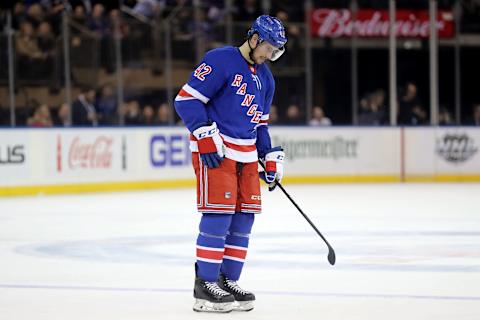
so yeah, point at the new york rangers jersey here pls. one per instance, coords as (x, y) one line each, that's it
(225, 89)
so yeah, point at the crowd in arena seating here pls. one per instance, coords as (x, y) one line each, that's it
(38, 25)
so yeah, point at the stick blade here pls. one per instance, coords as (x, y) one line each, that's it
(331, 256)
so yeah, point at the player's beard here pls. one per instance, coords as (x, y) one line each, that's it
(259, 59)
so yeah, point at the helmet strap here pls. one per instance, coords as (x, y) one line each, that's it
(250, 54)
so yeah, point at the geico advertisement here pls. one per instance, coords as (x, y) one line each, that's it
(339, 150)
(443, 150)
(169, 150)
(15, 155)
(91, 153)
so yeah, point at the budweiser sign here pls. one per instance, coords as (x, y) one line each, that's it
(90, 155)
(376, 23)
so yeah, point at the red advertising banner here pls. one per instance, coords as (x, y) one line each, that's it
(336, 23)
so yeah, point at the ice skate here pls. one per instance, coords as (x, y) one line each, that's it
(209, 297)
(244, 300)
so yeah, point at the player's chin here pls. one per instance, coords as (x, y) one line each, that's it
(261, 60)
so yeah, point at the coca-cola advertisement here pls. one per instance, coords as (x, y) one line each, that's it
(336, 23)
(89, 152)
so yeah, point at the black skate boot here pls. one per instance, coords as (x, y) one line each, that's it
(244, 300)
(209, 297)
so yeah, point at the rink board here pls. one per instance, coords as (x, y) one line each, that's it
(73, 160)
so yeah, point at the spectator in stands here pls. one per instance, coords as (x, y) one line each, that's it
(97, 22)
(148, 8)
(163, 114)
(79, 16)
(475, 118)
(19, 13)
(216, 10)
(319, 118)
(62, 116)
(444, 116)
(292, 8)
(201, 28)
(46, 39)
(294, 115)
(107, 105)
(86, 4)
(30, 56)
(41, 117)
(273, 115)
(282, 15)
(35, 14)
(411, 111)
(132, 115)
(83, 109)
(53, 13)
(372, 109)
(148, 115)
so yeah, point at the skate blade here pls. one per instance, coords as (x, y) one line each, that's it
(243, 305)
(207, 306)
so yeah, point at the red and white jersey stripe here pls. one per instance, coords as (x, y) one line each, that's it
(263, 120)
(210, 254)
(235, 253)
(189, 93)
(241, 150)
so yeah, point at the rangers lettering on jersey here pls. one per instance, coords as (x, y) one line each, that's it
(237, 96)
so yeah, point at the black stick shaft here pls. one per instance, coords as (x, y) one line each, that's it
(331, 252)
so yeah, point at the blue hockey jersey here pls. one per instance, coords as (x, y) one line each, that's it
(225, 89)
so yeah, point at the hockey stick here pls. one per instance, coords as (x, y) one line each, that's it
(331, 252)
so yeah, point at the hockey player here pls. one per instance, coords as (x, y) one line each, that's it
(225, 106)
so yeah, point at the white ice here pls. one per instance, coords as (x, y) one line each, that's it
(404, 251)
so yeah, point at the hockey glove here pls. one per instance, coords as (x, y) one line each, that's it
(273, 167)
(210, 145)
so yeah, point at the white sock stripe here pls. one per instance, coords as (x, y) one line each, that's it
(238, 234)
(234, 258)
(210, 248)
(209, 260)
(236, 247)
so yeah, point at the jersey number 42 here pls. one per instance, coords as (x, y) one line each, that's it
(202, 71)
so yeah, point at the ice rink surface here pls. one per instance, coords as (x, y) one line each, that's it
(404, 251)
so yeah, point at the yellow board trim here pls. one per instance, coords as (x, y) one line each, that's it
(443, 178)
(340, 179)
(95, 187)
(189, 183)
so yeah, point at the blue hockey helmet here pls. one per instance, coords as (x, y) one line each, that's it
(270, 29)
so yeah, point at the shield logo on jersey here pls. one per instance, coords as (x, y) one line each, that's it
(228, 195)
